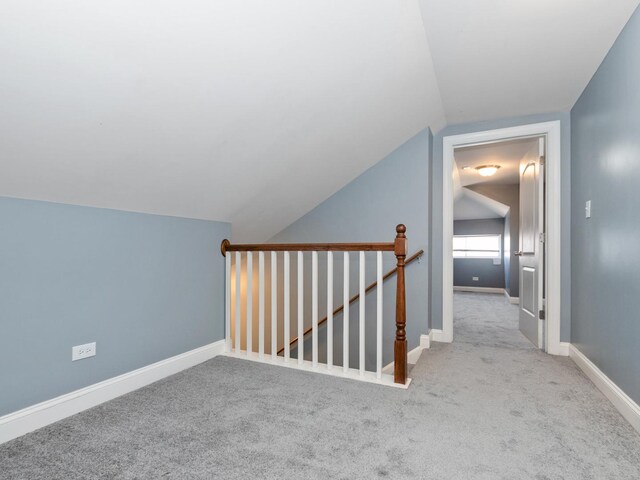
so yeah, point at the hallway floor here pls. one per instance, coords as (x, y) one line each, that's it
(489, 406)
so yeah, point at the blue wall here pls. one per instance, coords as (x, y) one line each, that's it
(436, 210)
(393, 191)
(606, 168)
(144, 287)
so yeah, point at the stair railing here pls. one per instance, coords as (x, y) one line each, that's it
(356, 297)
(233, 292)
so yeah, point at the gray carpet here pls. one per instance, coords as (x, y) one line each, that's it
(489, 406)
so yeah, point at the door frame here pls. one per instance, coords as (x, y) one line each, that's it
(552, 170)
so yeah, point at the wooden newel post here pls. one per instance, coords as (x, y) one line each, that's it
(400, 345)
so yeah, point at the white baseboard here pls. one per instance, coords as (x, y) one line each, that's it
(413, 355)
(512, 300)
(437, 335)
(563, 349)
(28, 419)
(623, 403)
(425, 341)
(479, 289)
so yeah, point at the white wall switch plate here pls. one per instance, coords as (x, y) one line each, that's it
(587, 209)
(83, 351)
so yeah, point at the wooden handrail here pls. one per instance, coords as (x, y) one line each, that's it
(391, 272)
(227, 246)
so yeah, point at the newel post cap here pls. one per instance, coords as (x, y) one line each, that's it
(400, 245)
(223, 247)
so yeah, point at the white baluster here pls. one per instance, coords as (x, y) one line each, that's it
(362, 311)
(238, 312)
(249, 326)
(261, 305)
(329, 310)
(345, 315)
(379, 319)
(274, 305)
(287, 300)
(227, 301)
(300, 308)
(314, 308)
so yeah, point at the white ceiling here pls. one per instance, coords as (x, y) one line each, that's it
(246, 111)
(501, 58)
(254, 112)
(506, 155)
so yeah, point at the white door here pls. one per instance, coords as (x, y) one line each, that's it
(531, 246)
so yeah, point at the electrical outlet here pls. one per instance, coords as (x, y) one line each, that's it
(475, 279)
(83, 351)
(587, 209)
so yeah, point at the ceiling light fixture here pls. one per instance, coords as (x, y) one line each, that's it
(487, 170)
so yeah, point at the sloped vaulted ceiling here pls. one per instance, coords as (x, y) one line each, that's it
(502, 58)
(246, 111)
(253, 111)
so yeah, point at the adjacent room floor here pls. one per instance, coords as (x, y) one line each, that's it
(489, 406)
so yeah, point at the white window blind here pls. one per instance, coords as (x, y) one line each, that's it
(477, 246)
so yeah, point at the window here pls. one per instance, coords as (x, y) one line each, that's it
(477, 246)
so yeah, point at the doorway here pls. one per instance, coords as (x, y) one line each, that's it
(538, 274)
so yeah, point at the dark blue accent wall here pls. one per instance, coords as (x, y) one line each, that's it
(508, 195)
(464, 269)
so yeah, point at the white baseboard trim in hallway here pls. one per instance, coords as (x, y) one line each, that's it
(629, 409)
(28, 419)
(563, 349)
(437, 335)
(512, 300)
(425, 341)
(413, 355)
(479, 289)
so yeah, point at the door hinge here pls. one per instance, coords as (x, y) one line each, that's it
(543, 237)
(541, 315)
